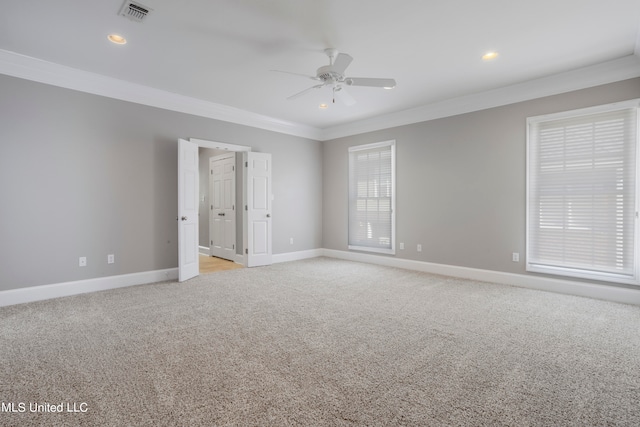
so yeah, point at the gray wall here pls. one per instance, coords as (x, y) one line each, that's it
(84, 175)
(460, 181)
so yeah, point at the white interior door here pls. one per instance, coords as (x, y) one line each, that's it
(222, 193)
(257, 226)
(188, 183)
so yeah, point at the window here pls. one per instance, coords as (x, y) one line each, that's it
(372, 197)
(582, 193)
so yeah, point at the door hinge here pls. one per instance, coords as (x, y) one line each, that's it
(246, 251)
(211, 242)
(246, 164)
(233, 207)
(246, 208)
(211, 172)
(233, 168)
(211, 207)
(233, 246)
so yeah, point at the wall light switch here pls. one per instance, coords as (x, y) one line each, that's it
(82, 261)
(515, 257)
(111, 259)
(401, 245)
(419, 247)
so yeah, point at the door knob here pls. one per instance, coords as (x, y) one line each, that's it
(268, 215)
(184, 218)
(221, 214)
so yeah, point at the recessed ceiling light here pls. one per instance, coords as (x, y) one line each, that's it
(323, 106)
(389, 87)
(117, 39)
(489, 56)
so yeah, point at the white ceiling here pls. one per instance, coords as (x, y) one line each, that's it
(222, 51)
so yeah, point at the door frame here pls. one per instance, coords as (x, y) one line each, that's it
(211, 220)
(238, 149)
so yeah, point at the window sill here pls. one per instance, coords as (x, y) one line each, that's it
(374, 250)
(583, 274)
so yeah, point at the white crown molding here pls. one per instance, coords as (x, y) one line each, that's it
(17, 65)
(568, 287)
(29, 68)
(620, 69)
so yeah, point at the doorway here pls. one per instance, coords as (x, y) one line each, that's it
(211, 264)
(220, 242)
(254, 248)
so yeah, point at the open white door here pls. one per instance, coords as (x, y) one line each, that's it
(257, 224)
(188, 184)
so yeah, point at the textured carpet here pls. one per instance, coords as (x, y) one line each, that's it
(321, 342)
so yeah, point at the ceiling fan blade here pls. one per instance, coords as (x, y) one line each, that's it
(344, 96)
(296, 74)
(296, 95)
(341, 62)
(372, 82)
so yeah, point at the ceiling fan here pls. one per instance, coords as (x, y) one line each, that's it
(333, 75)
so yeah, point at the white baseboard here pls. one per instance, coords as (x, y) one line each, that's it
(571, 287)
(296, 256)
(38, 293)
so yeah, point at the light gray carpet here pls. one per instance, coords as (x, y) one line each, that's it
(322, 342)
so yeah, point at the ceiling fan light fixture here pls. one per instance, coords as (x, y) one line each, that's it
(323, 106)
(116, 39)
(489, 56)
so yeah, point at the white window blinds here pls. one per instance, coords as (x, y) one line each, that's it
(372, 197)
(582, 194)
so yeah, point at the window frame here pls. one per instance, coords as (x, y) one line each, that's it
(354, 149)
(531, 265)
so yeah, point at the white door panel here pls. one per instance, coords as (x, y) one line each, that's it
(222, 210)
(258, 209)
(188, 261)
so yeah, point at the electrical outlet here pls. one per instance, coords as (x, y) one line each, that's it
(515, 257)
(401, 245)
(291, 241)
(419, 247)
(82, 261)
(111, 259)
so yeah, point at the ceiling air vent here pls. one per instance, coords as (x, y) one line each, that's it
(134, 11)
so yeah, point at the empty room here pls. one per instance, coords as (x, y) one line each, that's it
(319, 213)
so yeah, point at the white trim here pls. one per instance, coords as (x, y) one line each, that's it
(620, 69)
(204, 250)
(531, 143)
(26, 67)
(576, 288)
(219, 145)
(296, 256)
(590, 290)
(614, 106)
(363, 147)
(381, 144)
(38, 293)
